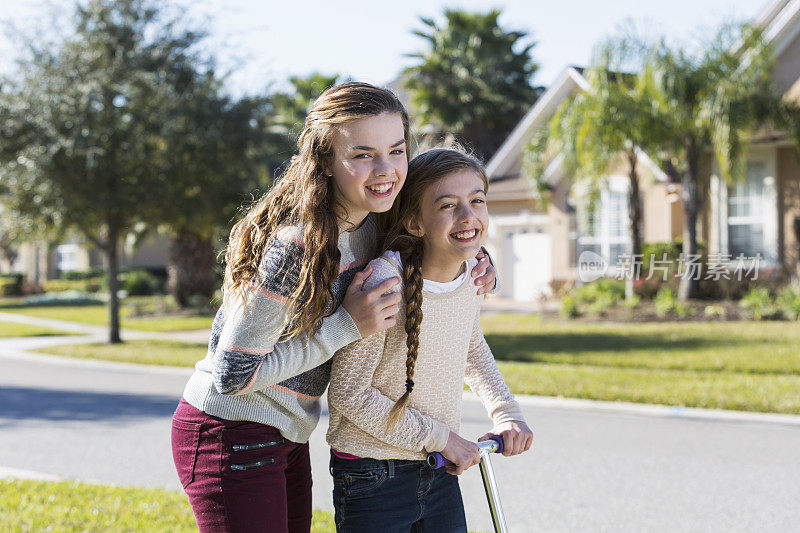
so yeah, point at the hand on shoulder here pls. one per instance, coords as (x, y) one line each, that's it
(372, 306)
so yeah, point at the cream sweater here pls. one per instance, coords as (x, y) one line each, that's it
(368, 376)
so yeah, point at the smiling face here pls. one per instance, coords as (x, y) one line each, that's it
(369, 164)
(452, 222)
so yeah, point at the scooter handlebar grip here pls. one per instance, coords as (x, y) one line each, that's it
(437, 460)
(499, 440)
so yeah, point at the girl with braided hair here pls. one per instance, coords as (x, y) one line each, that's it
(396, 395)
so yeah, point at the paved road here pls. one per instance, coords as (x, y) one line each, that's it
(589, 471)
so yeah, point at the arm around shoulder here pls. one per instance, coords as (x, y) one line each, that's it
(248, 356)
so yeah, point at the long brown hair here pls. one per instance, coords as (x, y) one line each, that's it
(305, 196)
(424, 170)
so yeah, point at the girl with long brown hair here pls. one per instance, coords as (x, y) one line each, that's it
(293, 295)
(396, 395)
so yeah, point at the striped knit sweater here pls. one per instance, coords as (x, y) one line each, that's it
(369, 376)
(248, 374)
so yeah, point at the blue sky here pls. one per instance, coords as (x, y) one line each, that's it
(266, 42)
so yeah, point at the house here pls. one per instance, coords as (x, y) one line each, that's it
(761, 214)
(537, 242)
(39, 261)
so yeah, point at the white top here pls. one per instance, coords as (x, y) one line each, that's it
(433, 287)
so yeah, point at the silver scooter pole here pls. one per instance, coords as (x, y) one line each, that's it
(485, 448)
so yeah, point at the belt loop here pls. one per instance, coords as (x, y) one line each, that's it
(390, 462)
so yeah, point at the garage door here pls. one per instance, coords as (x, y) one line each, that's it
(532, 265)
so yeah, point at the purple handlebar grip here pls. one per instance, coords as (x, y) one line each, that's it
(499, 440)
(437, 460)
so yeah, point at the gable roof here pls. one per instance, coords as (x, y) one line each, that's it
(568, 82)
(780, 21)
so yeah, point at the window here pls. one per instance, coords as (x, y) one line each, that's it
(604, 230)
(750, 209)
(67, 257)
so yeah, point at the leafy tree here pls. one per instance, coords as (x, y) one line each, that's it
(473, 80)
(216, 153)
(117, 125)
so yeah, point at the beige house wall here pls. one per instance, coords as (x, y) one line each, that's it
(788, 208)
(510, 207)
(663, 213)
(558, 227)
(37, 263)
(787, 67)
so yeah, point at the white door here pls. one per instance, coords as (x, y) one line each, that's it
(532, 265)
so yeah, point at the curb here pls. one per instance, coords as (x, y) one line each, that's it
(17, 473)
(652, 410)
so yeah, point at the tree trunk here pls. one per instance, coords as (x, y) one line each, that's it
(689, 284)
(191, 267)
(634, 219)
(112, 271)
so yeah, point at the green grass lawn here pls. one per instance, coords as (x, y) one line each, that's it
(69, 506)
(12, 329)
(752, 366)
(98, 315)
(148, 352)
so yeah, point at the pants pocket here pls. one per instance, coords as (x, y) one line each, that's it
(246, 447)
(356, 482)
(253, 464)
(185, 441)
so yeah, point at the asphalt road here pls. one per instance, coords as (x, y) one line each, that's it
(589, 470)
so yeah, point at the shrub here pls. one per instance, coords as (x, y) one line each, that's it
(604, 301)
(140, 283)
(665, 302)
(760, 305)
(648, 288)
(788, 301)
(80, 285)
(715, 311)
(683, 310)
(632, 303)
(560, 287)
(735, 289)
(658, 251)
(75, 275)
(11, 284)
(569, 307)
(609, 289)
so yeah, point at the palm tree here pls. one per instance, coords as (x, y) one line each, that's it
(473, 80)
(596, 128)
(705, 102)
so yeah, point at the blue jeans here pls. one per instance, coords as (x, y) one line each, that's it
(395, 496)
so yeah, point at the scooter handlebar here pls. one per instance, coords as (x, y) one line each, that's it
(493, 445)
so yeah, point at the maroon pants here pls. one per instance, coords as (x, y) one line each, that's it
(241, 476)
